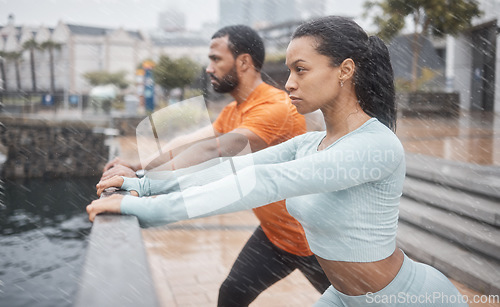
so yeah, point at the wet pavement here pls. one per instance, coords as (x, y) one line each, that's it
(189, 260)
(471, 137)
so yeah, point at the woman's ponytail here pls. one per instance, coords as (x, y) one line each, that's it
(375, 83)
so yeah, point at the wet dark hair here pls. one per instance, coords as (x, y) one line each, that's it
(340, 38)
(243, 39)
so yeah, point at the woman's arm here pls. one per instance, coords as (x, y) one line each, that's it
(155, 183)
(325, 171)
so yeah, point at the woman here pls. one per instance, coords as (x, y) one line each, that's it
(343, 186)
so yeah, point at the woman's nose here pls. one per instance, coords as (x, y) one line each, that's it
(290, 84)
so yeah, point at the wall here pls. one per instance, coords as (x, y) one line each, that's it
(42, 148)
(462, 48)
(462, 69)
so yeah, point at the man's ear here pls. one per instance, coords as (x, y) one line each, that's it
(244, 62)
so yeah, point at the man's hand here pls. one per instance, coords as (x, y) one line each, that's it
(118, 170)
(119, 161)
(109, 204)
(113, 182)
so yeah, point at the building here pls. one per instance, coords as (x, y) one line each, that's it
(80, 49)
(473, 61)
(431, 66)
(85, 49)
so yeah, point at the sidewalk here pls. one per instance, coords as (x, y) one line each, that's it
(189, 260)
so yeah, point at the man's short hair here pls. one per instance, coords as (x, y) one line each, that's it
(243, 39)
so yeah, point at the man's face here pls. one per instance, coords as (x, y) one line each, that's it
(222, 68)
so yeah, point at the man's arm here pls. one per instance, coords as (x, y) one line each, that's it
(226, 145)
(185, 155)
(120, 167)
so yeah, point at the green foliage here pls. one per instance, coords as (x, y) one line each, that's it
(31, 45)
(424, 82)
(193, 92)
(169, 73)
(95, 78)
(13, 56)
(438, 16)
(50, 45)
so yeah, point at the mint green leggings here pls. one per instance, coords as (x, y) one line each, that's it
(416, 284)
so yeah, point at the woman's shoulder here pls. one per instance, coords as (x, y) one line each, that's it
(375, 134)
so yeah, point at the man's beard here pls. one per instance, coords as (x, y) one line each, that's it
(227, 83)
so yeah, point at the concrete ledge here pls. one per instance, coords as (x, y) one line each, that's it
(474, 235)
(477, 272)
(116, 271)
(474, 178)
(429, 103)
(473, 206)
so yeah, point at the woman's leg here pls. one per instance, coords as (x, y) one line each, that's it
(258, 266)
(439, 289)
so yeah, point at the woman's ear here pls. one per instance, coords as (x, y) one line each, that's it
(347, 68)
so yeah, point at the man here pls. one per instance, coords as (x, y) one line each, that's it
(264, 116)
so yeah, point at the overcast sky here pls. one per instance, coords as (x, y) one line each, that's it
(132, 14)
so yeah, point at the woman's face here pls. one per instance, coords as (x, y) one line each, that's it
(313, 82)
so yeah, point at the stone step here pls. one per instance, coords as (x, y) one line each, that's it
(483, 209)
(479, 179)
(481, 237)
(478, 272)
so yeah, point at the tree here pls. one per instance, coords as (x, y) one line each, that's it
(31, 45)
(51, 46)
(15, 57)
(95, 78)
(179, 73)
(3, 75)
(439, 17)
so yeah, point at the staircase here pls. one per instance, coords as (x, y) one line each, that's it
(450, 219)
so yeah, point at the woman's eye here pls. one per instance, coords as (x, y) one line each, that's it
(299, 69)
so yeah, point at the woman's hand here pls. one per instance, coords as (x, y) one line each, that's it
(113, 182)
(109, 204)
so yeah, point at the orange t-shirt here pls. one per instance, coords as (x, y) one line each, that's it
(268, 113)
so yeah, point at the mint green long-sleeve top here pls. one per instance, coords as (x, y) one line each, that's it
(346, 196)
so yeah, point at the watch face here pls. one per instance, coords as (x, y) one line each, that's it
(140, 173)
